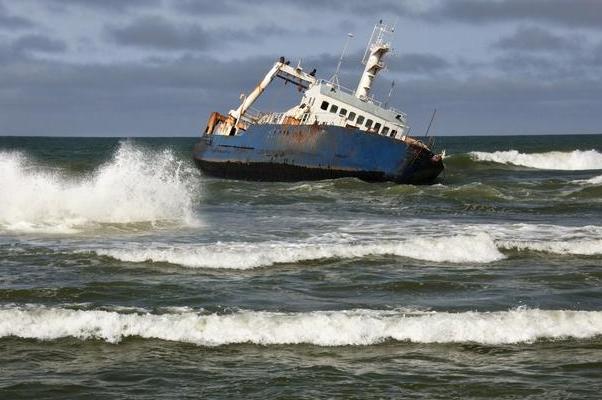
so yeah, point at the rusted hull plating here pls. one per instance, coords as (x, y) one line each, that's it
(313, 152)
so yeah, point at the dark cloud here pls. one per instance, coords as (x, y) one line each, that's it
(498, 105)
(597, 55)
(152, 98)
(537, 39)
(517, 89)
(236, 7)
(9, 21)
(155, 32)
(200, 7)
(418, 63)
(158, 33)
(40, 43)
(116, 6)
(174, 97)
(530, 66)
(575, 13)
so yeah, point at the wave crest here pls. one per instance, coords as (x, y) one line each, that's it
(323, 328)
(596, 180)
(461, 248)
(554, 160)
(586, 247)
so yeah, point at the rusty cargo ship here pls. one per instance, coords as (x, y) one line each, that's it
(332, 133)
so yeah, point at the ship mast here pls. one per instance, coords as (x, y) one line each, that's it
(375, 51)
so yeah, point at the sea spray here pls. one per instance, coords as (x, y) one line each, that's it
(136, 185)
(322, 328)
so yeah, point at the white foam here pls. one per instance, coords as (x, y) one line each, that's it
(323, 328)
(596, 180)
(554, 160)
(586, 247)
(135, 186)
(478, 248)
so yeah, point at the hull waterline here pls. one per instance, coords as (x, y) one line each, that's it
(303, 153)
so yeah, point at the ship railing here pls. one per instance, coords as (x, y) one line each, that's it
(270, 118)
(325, 117)
(253, 114)
(337, 86)
(370, 99)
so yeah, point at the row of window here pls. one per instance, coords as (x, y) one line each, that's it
(360, 119)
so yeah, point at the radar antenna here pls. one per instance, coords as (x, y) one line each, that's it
(335, 77)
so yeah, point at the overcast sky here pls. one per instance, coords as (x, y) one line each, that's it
(159, 67)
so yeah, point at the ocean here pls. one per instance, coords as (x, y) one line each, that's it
(126, 273)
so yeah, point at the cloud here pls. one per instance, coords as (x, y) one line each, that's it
(537, 39)
(161, 72)
(234, 7)
(175, 96)
(10, 22)
(40, 43)
(574, 13)
(112, 6)
(199, 7)
(597, 55)
(418, 63)
(158, 33)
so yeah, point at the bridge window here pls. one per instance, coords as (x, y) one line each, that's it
(324, 105)
(334, 108)
(360, 119)
(393, 133)
(369, 123)
(377, 127)
(343, 112)
(351, 116)
(385, 130)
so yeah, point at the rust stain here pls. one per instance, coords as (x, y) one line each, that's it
(299, 137)
(214, 118)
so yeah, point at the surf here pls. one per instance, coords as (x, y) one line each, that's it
(553, 160)
(485, 244)
(136, 185)
(358, 327)
(245, 255)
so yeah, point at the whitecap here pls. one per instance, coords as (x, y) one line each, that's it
(596, 180)
(322, 328)
(586, 247)
(554, 160)
(479, 248)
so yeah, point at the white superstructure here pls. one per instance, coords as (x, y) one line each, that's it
(323, 102)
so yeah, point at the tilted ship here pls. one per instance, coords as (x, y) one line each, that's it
(332, 133)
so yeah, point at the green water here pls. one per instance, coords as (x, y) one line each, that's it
(125, 273)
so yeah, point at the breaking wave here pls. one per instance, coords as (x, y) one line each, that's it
(596, 180)
(586, 247)
(322, 328)
(554, 160)
(461, 248)
(135, 186)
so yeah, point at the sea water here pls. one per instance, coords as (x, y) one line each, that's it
(126, 273)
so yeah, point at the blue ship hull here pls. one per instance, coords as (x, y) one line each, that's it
(313, 152)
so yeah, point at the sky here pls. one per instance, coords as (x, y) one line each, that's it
(160, 67)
